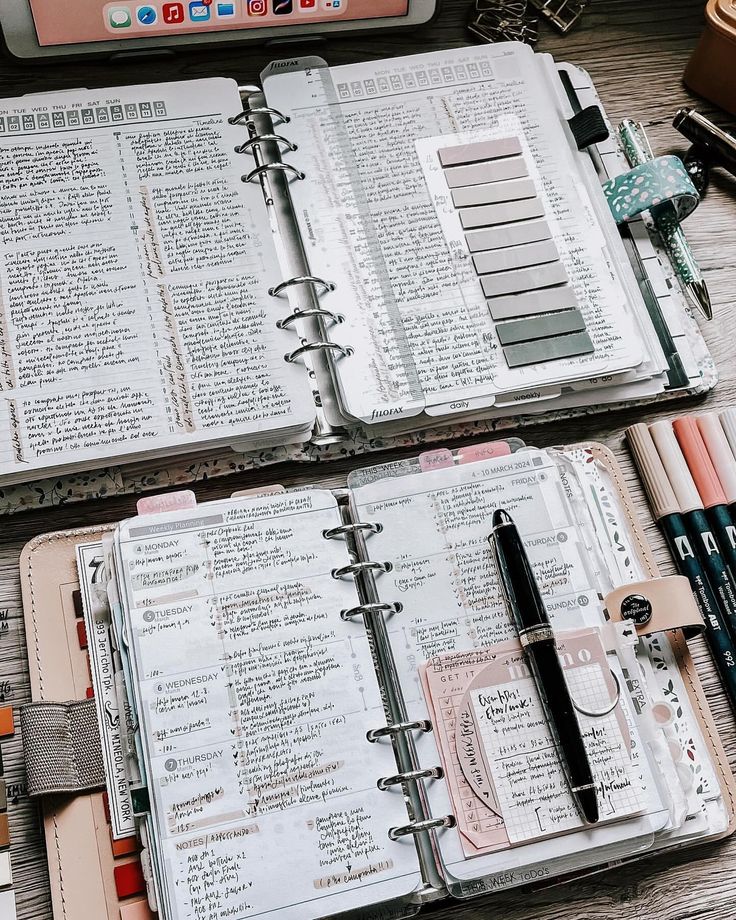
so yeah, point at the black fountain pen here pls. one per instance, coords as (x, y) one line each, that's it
(537, 639)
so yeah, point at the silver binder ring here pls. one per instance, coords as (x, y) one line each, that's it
(606, 710)
(419, 725)
(344, 350)
(270, 167)
(369, 527)
(355, 567)
(416, 827)
(385, 782)
(312, 311)
(301, 279)
(247, 115)
(247, 146)
(370, 608)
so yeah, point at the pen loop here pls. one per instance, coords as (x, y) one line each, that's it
(603, 712)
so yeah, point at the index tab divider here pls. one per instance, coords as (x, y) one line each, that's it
(184, 499)
(438, 459)
(488, 450)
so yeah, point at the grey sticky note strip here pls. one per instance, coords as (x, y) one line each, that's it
(493, 192)
(488, 171)
(531, 231)
(544, 300)
(523, 279)
(488, 215)
(540, 327)
(563, 346)
(482, 150)
(501, 260)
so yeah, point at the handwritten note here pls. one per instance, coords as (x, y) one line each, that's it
(376, 232)
(254, 700)
(134, 270)
(528, 775)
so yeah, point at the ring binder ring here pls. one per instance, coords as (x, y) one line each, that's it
(345, 350)
(313, 311)
(301, 279)
(267, 167)
(351, 612)
(248, 113)
(259, 138)
(385, 782)
(420, 725)
(356, 567)
(416, 827)
(332, 532)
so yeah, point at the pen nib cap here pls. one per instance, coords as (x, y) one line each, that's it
(501, 517)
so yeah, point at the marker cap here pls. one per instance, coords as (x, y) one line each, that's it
(661, 495)
(719, 452)
(675, 466)
(728, 423)
(698, 461)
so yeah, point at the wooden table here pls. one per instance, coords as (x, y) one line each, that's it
(636, 51)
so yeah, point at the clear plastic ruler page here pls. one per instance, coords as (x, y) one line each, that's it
(435, 532)
(254, 699)
(370, 224)
(134, 270)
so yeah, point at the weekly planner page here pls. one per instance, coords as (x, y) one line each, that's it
(254, 699)
(134, 270)
(442, 189)
(459, 660)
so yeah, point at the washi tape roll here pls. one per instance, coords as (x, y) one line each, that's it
(661, 183)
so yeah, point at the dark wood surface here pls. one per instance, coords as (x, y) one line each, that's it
(636, 51)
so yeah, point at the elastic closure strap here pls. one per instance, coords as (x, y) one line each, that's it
(588, 127)
(656, 605)
(61, 747)
(661, 183)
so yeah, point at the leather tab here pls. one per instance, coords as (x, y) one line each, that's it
(588, 127)
(61, 747)
(657, 605)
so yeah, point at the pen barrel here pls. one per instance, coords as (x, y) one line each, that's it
(673, 238)
(698, 129)
(554, 693)
(724, 530)
(714, 565)
(517, 579)
(716, 631)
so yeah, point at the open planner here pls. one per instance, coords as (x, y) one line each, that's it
(313, 703)
(417, 243)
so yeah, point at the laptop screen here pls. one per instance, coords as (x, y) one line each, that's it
(94, 20)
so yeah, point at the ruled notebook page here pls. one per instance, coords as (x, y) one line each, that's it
(372, 213)
(254, 698)
(134, 269)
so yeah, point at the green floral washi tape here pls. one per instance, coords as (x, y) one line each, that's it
(661, 181)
